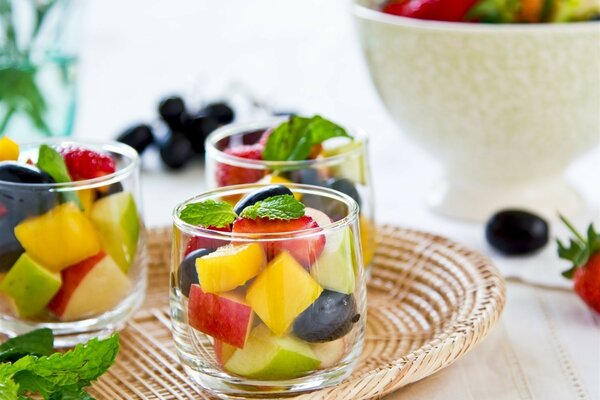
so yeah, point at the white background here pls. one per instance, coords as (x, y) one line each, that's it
(304, 56)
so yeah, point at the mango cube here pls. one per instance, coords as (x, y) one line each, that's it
(229, 267)
(61, 237)
(281, 292)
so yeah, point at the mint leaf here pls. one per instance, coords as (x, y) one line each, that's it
(51, 162)
(284, 206)
(209, 213)
(8, 389)
(38, 343)
(293, 140)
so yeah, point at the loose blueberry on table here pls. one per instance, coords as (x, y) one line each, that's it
(64, 256)
(274, 309)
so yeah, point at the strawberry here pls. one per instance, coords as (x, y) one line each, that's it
(3, 210)
(200, 242)
(233, 175)
(438, 10)
(584, 253)
(305, 250)
(87, 164)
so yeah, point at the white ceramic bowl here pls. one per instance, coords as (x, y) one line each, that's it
(504, 108)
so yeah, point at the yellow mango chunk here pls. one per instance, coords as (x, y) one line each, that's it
(59, 238)
(281, 292)
(230, 266)
(9, 150)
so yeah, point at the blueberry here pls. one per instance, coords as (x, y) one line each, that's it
(10, 248)
(221, 111)
(306, 176)
(188, 275)
(18, 172)
(515, 232)
(176, 151)
(138, 136)
(198, 127)
(259, 195)
(172, 110)
(345, 186)
(329, 318)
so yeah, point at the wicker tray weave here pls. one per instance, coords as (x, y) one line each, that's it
(429, 302)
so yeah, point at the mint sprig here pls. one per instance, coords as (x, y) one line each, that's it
(219, 214)
(51, 162)
(38, 343)
(293, 139)
(59, 375)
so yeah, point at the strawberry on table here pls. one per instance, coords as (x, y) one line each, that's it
(584, 253)
(438, 10)
(87, 164)
(233, 175)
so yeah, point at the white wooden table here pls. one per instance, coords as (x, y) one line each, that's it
(303, 55)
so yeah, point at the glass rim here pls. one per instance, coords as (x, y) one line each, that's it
(234, 129)
(111, 146)
(195, 230)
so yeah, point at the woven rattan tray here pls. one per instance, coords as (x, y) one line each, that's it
(430, 301)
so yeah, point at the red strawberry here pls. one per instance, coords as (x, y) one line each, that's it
(233, 175)
(438, 10)
(305, 250)
(87, 164)
(3, 210)
(200, 242)
(585, 272)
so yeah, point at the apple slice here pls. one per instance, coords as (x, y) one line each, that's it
(229, 267)
(116, 217)
(334, 269)
(353, 167)
(93, 286)
(59, 238)
(30, 286)
(269, 357)
(330, 353)
(225, 317)
(281, 292)
(320, 217)
(223, 351)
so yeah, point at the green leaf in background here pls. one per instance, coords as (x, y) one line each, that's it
(495, 11)
(39, 343)
(284, 206)
(209, 213)
(293, 140)
(52, 163)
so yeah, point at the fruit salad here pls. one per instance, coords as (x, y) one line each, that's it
(496, 11)
(69, 233)
(268, 288)
(311, 151)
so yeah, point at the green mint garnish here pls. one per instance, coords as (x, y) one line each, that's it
(208, 213)
(38, 343)
(51, 162)
(284, 206)
(55, 376)
(293, 140)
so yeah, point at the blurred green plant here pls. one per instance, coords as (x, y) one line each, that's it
(19, 92)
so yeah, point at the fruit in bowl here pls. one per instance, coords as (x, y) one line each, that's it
(486, 103)
(69, 232)
(304, 150)
(282, 298)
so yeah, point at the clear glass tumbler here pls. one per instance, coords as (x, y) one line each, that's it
(72, 255)
(269, 314)
(344, 168)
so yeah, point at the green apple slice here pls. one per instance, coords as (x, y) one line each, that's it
(354, 166)
(30, 286)
(269, 357)
(330, 353)
(334, 269)
(116, 218)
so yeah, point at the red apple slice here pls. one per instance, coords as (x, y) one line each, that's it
(225, 317)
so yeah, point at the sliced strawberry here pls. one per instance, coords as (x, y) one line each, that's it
(305, 250)
(438, 10)
(87, 164)
(233, 175)
(587, 282)
(200, 242)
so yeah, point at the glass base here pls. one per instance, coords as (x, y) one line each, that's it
(69, 334)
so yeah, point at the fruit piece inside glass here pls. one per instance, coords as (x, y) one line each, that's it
(268, 305)
(234, 156)
(71, 252)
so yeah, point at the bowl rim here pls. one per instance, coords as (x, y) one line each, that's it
(368, 13)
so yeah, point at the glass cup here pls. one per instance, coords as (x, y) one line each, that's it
(258, 315)
(345, 169)
(72, 255)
